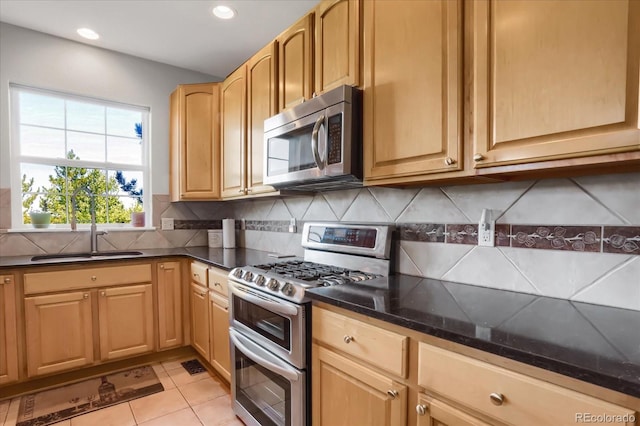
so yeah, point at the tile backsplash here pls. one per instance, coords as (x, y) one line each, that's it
(576, 239)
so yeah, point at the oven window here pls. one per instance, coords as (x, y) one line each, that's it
(263, 393)
(272, 326)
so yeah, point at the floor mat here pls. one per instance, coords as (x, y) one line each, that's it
(54, 405)
(193, 366)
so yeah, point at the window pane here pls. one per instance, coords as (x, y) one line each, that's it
(124, 150)
(120, 209)
(92, 179)
(41, 110)
(122, 122)
(86, 146)
(41, 142)
(126, 183)
(85, 117)
(41, 175)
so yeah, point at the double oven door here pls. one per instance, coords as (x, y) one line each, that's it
(268, 357)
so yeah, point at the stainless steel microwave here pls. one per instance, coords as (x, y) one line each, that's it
(316, 145)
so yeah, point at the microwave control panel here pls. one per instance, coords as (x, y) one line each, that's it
(334, 140)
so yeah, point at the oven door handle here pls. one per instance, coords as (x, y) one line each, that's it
(262, 357)
(314, 142)
(278, 308)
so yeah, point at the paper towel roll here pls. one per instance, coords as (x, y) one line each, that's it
(228, 233)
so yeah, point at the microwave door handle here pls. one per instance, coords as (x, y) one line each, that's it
(261, 357)
(314, 142)
(278, 308)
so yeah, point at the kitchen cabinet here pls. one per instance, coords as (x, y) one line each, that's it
(347, 393)
(125, 320)
(195, 142)
(62, 306)
(295, 68)
(412, 89)
(337, 44)
(234, 113)
(219, 334)
(169, 304)
(433, 412)
(8, 333)
(553, 80)
(199, 301)
(248, 98)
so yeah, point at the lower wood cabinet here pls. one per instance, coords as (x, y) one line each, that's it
(8, 335)
(432, 412)
(126, 321)
(59, 332)
(199, 299)
(347, 393)
(169, 304)
(219, 334)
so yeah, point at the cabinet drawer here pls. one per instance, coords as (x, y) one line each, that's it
(218, 281)
(384, 349)
(525, 400)
(199, 273)
(45, 282)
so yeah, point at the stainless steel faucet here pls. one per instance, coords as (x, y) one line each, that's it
(94, 227)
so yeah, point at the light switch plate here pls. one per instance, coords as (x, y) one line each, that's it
(167, 224)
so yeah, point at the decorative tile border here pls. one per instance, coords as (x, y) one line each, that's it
(426, 232)
(572, 238)
(197, 224)
(621, 239)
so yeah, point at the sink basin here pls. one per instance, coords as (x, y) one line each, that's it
(86, 255)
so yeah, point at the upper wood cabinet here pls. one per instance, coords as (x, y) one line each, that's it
(337, 44)
(195, 142)
(8, 336)
(233, 105)
(553, 80)
(412, 88)
(169, 304)
(295, 69)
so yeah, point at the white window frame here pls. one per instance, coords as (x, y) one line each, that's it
(17, 159)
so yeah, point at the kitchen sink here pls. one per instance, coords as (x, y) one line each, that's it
(86, 255)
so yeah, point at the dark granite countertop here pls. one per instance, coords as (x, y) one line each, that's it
(592, 343)
(221, 258)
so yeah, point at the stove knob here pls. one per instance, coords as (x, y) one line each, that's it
(273, 284)
(238, 273)
(288, 289)
(248, 276)
(260, 280)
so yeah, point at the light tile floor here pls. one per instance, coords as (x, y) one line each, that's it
(186, 401)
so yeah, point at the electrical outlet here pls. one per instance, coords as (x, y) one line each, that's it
(486, 229)
(167, 224)
(293, 227)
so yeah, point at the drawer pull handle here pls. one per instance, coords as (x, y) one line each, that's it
(478, 157)
(93, 278)
(421, 409)
(496, 398)
(348, 339)
(393, 394)
(85, 296)
(7, 280)
(449, 161)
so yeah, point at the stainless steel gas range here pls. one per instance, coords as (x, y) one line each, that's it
(270, 317)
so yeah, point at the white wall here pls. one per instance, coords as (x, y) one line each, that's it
(40, 60)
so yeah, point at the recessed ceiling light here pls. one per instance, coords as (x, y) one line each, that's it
(88, 33)
(224, 12)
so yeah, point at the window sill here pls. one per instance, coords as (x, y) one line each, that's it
(41, 230)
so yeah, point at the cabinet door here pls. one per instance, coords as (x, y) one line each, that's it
(295, 73)
(219, 334)
(234, 113)
(200, 319)
(8, 336)
(561, 83)
(412, 88)
(169, 305)
(261, 104)
(432, 412)
(346, 393)
(126, 321)
(337, 44)
(195, 142)
(59, 332)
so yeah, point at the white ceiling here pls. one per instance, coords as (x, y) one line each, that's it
(183, 33)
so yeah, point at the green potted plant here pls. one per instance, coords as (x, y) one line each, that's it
(41, 218)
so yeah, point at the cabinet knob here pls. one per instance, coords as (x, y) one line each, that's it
(241, 191)
(249, 189)
(162, 266)
(478, 157)
(85, 296)
(7, 280)
(449, 161)
(217, 285)
(496, 398)
(103, 293)
(93, 278)
(393, 394)
(348, 339)
(196, 276)
(421, 409)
